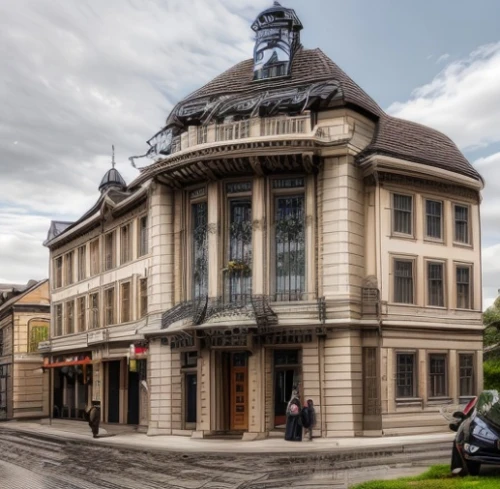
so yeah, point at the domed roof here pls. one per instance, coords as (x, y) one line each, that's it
(277, 11)
(112, 178)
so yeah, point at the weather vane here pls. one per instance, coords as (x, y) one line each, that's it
(113, 156)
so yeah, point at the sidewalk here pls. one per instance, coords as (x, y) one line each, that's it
(125, 437)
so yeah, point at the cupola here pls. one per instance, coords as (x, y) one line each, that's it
(277, 37)
(112, 178)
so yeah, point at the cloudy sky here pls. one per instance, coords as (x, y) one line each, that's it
(79, 76)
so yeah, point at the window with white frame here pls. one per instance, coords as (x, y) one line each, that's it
(404, 289)
(435, 284)
(70, 317)
(81, 309)
(125, 244)
(462, 224)
(109, 306)
(94, 258)
(434, 219)
(402, 214)
(125, 302)
(94, 322)
(406, 385)
(69, 269)
(82, 263)
(289, 238)
(58, 272)
(58, 322)
(109, 251)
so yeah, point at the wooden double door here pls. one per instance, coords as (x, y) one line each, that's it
(238, 400)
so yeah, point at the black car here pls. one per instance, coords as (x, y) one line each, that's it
(478, 434)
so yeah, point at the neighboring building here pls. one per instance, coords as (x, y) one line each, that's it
(24, 323)
(298, 235)
(98, 276)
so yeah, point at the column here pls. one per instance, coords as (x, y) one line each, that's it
(258, 234)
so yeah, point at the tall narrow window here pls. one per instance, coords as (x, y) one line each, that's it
(125, 251)
(403, 282)
(435, 283)
(58, 324)
(58, 272)
(109, 306)
(405, 375)
(94, 257)
(240, 249)
(464, 296)
(402, 214)
(109, 251)
(143, 297)
(466, 366)
(437, 376)
(82, 263)
(462, 224)
(38, 332)
(200, 249)
(143, 236)
(70, 317)
(125, 302)
(2, 341)
(434, 219)
(81, 314)
(94, 322)
(68, 259)
(290, 266)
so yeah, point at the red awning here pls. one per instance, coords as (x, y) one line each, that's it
(86, 361)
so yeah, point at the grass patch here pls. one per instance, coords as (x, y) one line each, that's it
(437, 477)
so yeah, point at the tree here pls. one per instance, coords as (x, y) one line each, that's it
(491, 321)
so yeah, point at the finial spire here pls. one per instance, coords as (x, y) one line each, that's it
(277, 4)
(113, 156)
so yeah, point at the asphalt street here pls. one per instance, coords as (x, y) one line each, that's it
(32, 461)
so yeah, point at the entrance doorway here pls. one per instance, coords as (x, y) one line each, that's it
(239, 392)
(114, 391)
(231, 386)
(4, 375)
(286, 375)
(133, 398)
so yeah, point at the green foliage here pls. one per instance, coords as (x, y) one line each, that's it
(491, 369)
(437, 477)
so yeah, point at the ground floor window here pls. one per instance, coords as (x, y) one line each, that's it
(405, 375)
(286, 376)
(437, 375)
(466, 366)
(72, 386)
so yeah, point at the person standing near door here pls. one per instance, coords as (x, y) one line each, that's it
(293, 429)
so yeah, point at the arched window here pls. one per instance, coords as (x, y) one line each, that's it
(38, 330)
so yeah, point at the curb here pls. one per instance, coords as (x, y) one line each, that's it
(337, 457)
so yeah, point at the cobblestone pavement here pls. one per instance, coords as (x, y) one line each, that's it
(33, 461)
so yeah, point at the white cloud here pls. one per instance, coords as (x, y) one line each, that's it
(81, 76)
(442, 58)
(462, 101)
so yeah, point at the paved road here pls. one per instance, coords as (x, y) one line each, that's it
(33, 461)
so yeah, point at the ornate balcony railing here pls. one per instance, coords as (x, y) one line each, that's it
(274, 126)
(232, 130)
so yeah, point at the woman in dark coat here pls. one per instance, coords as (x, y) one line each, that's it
(293, 429)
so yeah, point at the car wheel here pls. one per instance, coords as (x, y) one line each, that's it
(473, 468)
(457, 464)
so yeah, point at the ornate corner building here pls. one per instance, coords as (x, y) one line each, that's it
(296, 235)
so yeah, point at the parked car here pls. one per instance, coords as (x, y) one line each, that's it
(478, 434)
